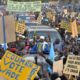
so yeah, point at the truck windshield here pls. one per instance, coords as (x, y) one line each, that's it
(53, 34)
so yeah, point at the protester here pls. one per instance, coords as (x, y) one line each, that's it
(33, 47)
(61, 31)
(1, 52)
(21, 42)
(40, 45)
(12, 47)
(45, 46)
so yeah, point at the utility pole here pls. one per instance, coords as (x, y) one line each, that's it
(4, 33)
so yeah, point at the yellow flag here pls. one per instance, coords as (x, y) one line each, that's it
(14, 67)
(74, 29)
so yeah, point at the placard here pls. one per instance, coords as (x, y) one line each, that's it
(50, 15)
(14, 67)
(39, 18)
(15, 6)
(58, 67)
(20, 27)
(72, 66)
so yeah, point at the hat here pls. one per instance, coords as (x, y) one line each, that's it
(31, 40)
(57, 28)
(58, 78)
(21, 36)
(42, 37)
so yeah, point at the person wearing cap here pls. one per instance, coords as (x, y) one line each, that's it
(39, 44)
(20, 43)
(42, 38)
(43, 45)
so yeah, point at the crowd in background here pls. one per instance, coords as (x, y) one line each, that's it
(41, 45)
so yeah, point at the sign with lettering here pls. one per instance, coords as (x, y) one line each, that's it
(50, 15)
(39, 19)
(15, 6)
(20, 27)
(14, 67)
(72, 66)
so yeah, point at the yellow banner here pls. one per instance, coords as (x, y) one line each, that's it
(15, 6)
(14, 67)
(20, 27)
(74, 29)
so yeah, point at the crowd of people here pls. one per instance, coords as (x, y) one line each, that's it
(41, 45)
